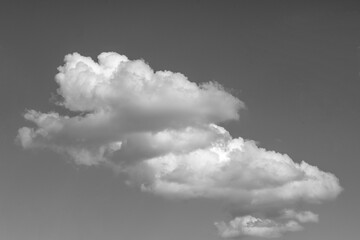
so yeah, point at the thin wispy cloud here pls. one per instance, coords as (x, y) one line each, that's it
(161, 130)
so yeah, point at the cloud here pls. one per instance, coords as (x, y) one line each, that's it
(303, 217)
(237, 169)
(117, 100)
(263, 227)
(161, 130)
(256, 227)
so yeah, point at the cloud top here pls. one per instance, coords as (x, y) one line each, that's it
(117, 100)
(160, 129)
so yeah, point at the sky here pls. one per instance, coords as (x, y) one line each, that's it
(160, 120)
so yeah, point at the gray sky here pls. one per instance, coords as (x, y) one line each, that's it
(295, 65)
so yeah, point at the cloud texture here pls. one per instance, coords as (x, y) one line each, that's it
(256, 227)
(161, 130)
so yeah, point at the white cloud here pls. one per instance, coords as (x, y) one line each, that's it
(118, 100)
(237, 169)
(161, 130)
(132, 91)
(256, 227)
(303, 217)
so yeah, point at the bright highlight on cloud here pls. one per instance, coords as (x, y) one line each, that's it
(160, 129)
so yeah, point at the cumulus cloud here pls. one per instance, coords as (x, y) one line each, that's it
(118, 100)
(249, 225)
(161, 130)
(238, 170)
(256, 227)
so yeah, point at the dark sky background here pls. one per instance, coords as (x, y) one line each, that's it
(295, 64)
